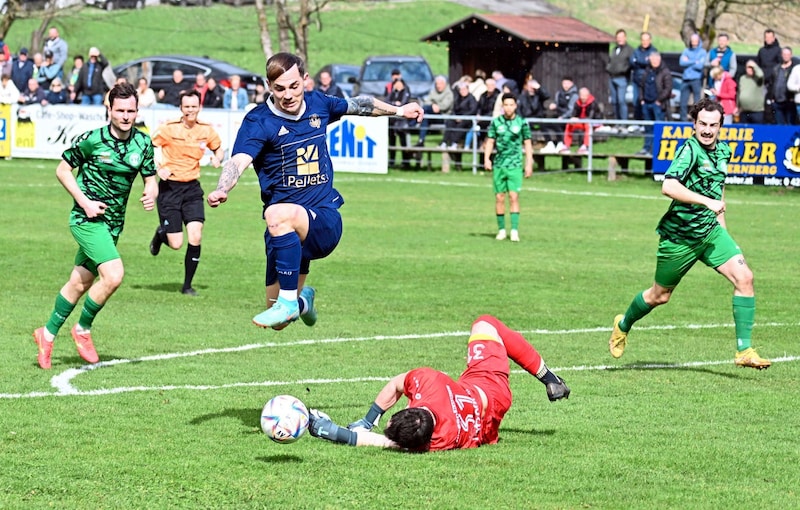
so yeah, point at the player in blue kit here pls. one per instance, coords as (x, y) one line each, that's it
(285, 140)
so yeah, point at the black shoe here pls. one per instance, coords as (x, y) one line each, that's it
(191, 292)
(155, 244)
(557, 391)
(420, 143)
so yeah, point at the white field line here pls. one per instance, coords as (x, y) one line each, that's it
(62, 382)
(532, 189)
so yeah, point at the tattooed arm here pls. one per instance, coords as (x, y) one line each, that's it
(369, 106)
(231, 171)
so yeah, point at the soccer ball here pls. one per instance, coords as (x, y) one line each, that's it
(284, 419)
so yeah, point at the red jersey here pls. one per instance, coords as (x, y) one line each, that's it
(456, 408)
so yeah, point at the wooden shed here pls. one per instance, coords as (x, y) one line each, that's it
(549, 47)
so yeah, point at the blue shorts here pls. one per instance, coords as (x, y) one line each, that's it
(324, 233)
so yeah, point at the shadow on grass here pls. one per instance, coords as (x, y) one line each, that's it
(651, 365)
(249, 417)
(528, 432)
(279, 459)
(167, 287)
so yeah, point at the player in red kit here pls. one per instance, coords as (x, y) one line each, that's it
(447, 414)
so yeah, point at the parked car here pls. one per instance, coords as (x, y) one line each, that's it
(376, 72)
(110, 5)
(158, 70)
(345, 76)
(184, 3)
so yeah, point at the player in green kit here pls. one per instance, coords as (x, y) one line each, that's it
(108, 160)
(510, 133)
(693, 229)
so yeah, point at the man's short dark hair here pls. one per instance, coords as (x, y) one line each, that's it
(122, 91)
(708, 105)
(621, 31)
(411, 428)
(509, 95)
(188, 93)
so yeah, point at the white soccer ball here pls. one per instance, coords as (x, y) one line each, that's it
(284, 419)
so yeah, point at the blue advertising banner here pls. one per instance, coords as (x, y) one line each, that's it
(761, 154)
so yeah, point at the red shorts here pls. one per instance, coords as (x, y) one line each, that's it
(487, 368)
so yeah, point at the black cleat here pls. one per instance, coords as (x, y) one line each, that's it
(191, 292)
(557, 391)
(155, 244)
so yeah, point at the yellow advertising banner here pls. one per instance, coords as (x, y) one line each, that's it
(5, 130)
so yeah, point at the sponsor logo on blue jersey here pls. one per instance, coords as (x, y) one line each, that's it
(348, 140)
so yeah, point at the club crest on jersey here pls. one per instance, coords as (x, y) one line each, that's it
(135, 159)
(315, 121)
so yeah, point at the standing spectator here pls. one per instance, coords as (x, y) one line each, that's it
(235, 97)
(214, 94)
(455, 130)
(750, 99)
(72, 77)
(260, 94)
(396, 75)
(201, 86)
(21, 70)
(398, 127)
(430, 420)
(532, 105)
(723, 91)
(562, 107)
(768, 58)
(585, 108)
(9, 93)
(722, 56)
(782, 97)
(37, 63)
(499, 79)
(91, 87)
(308, 84)
(147, 97)
(48, 71)
(619, 71)
(183, 143)
(108, 160)
(639, 64)
(171, 93)
(511, 134)
(33, 94)
(694, 230)
(58, 47)
(486, 103)
(692, 60)
(5, 50)
(655, 90)
(793, 85)
(300, 204)
(439, 101)
(57, 93)
(328, 86)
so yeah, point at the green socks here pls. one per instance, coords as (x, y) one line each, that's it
(514, 221)
(501, 221)
(60, 313)
(744, 313)
(90, 310)
(637, 309)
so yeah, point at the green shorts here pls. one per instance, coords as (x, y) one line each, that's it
(675, 260)
(95, 245)
(506, 180)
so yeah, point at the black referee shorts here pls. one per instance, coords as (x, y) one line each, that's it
(179, 203)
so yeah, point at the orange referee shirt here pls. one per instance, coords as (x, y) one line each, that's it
(183, 148)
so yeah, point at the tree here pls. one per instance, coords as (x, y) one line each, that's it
(746, 13)
(291, 30)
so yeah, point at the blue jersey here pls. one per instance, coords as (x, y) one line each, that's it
(290, 153)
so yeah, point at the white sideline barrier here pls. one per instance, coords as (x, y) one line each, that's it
(356, 144)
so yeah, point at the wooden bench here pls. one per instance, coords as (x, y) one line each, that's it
(417, 154)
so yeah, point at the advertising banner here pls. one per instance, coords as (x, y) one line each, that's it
(761, 154)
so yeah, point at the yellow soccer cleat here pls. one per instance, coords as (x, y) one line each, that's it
(750, 358)
(619, 338)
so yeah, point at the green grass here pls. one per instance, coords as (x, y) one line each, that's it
(417, 258)
(350, 32)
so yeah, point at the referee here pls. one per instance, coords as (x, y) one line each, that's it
(180, 145)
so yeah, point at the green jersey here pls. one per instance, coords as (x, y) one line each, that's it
(703, 172)
(107, 168)
(509, 134)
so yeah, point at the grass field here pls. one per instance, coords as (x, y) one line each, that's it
(170, 417)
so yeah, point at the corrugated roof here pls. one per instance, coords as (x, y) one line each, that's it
(530, 28)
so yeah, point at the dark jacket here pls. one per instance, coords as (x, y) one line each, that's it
(486, 103)
(640, 61)
(662, 78)
(776, 83)
(398, 98)
(619, 62)
(565, 101)
(333, 90)
(94, 84)
(769, 56)
(587, 110)
(172, 91)
(20, 74)
(213, 98)
(532, 105)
